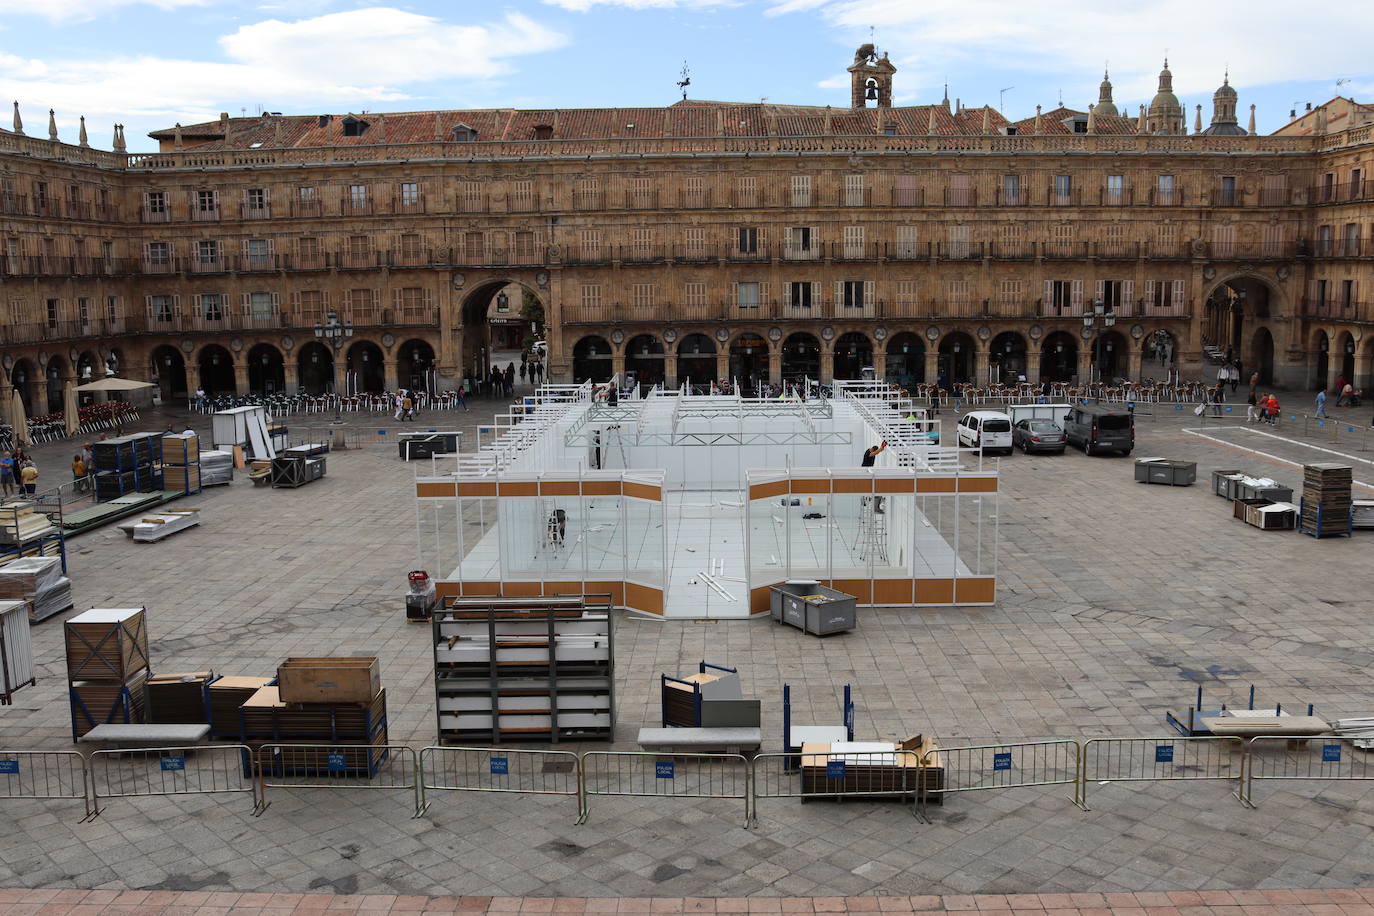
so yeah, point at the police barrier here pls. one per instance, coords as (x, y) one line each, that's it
(44, 774)
(1328, 758)
(869, 774)
(151, 771)
(1170, 759)
(346, 767)
(644, 773)
(485, 769)
(985, 767)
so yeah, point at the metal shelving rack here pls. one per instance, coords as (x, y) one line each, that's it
(490, 685)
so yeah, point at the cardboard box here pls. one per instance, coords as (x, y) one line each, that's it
(329, 680)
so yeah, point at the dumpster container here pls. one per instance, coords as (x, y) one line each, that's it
(813, 608)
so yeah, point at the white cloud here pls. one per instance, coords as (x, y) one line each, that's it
(80, 10)
(582, 6)
(1262, 40)
(347, 59)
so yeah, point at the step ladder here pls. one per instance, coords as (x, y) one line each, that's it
(871, 544)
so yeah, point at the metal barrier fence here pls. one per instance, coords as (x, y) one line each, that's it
(44, 774)
(1327, 758)
(1169, 759)
(868, 774)
(208, 769)
(644, 773)
(348, 767)
(485, 769)
(985, 767)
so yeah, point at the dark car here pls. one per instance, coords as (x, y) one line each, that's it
(1033, 435)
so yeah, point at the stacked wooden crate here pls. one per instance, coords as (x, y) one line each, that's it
(107, 667)
(227, 696)
(174, 699)
(126, 465)
(1326, 500)
(181, 462)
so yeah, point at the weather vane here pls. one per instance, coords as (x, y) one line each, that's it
(685, 81)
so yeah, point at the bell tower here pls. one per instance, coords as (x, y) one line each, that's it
(870, 78)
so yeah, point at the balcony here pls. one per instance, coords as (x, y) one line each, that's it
(908, 197)
(959, 251)
(641, 200)
(473, 203)
(809, 253)
(1117, 251)
(1342, 192)
(14, 204)
(357, 259)
(302, 209)
(584, 200)
(205, 214)
(258, 263)
(314, 260)
(1015, 197)
(961, 197)
(1223, 196)
(522, 203)
(352, 206)
(1337, 309)
(156, 214)
(694, 200)
(411, 205)
(249, 211)
(217, 264)
(1070, 197)
(43, 206)
(1011, 251)
(158, 267)
(855, 197)
(748, 200)
(1115, 197)
(1166, 197)
(1275, 197)
(413, 257)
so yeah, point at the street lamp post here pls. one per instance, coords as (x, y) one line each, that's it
(1100, 314)
(335, 332)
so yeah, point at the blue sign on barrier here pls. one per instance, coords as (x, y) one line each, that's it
(1228, 408)
(337, 762)
(1164, 753)
(1350, 429)
(500, 766)
(1001, 761)
(172, 763)
(1321, 422)
(1331, 753)
(381, 432)
(1178, 407)
(663, 769)
(834, 769)
(9, 767)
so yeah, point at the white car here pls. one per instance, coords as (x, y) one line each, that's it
(985, 430)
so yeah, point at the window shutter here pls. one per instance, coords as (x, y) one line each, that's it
(396, 299)
(324, 298)
(1177, 299)
(276, 303)
(839, 294)
(295, 301)
(1128, 295)
(763, 241)
(271, 247)
(788, 243)
(176, 306)
(1076, 296)
(816, 294)
(148, 305)
(815, 238)
(763, 294)
(1149, 293)
(868, 295)
(1049, 293)
(243, 248)
(246, 303)
(1101, 289)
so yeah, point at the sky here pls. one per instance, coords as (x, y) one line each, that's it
(151, 63)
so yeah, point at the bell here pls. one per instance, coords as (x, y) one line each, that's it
(872, 94)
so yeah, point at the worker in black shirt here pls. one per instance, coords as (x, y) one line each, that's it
(870, 454)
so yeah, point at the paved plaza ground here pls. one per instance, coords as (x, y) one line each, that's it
(1116, 601)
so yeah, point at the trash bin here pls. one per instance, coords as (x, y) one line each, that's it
(1166, 471)
(1224, 482)
(813, 608)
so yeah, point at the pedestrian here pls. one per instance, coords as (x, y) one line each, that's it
(86, 457)
(28, 476)
(1252, 412)
(1235, 376)
(522, 368)
(1321, 403)
(870, 455)
(200, 398)
(510, 379)
(1272, 410)
(539, 370)
(79, 473)
(407, 407)
(1254, 383)
(1218, 393)
(400, 396)
(7, 473)
(1347, 396)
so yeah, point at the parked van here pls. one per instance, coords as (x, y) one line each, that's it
(985, 429)
(1098, 428)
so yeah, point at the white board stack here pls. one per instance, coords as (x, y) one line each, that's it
(159, 525)
(20, 523)
(38, 581)
(216, 467)
(16, 649)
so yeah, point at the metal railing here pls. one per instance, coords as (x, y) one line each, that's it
(1168, 759)
(880, 774)
(44, 774)
(485, 769)
(654, 775)
(155, 771)
(339, 767)
(1325, 759)
(982, 767)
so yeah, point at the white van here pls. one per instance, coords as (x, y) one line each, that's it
(985, 430)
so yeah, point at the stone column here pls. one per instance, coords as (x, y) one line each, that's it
(1364, 380)
(1133, 362)
(617, 364)
(240, 378)
(389, 377)
(290, 369)
(932, 363)
(722, 363)
(980, 365)
(1085, 362)
(827, 363)
(775, 363)
(879, 362)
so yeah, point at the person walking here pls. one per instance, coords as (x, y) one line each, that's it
(462, 397)
(400, 396)
(870, 455)
(7, 473)
(407, 407)
(510, 379)
(1235, 376)
(1321, 403)
(1272, 410)
(1347, 396)
(200, 398)
(1252, 411)
(28, 477)
(522, 368)
(1254, 383)
(79, 473)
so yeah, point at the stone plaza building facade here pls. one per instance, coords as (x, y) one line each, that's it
(704, 240)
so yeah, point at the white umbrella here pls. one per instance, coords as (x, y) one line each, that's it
(71, 413)
(114, 384)
(19, 421)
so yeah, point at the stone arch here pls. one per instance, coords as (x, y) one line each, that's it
(314, 368)
(1343, 358)
(168, 372)
(853, 354)
(415, 365)
(266, 370)
(1241, 296)
(696, 360)
(801, 357)
(1059, 357)
(749, 361)
(906, 359)
(1261, 355)
(1320, 369)
(492, 325)
(89, 367)
(216, 367)
(592, 359)
(1110, 356)
(365, 365)
(22, 377)
(646, 358)
(55, 375)
(1158, 351)
(1007, 361)
(957, 352)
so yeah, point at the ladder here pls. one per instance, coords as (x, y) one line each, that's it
(871, 543)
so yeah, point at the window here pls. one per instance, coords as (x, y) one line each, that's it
(747, 192)
(111, 308)
(749, 240)
(587, 195)
(906, 293)
(589, 244)
(1116, 190)
(543, 131)
(1275, 190)
(1164, 190)
(694, 191)
(40, 196)
(1347, 293)
(1351, 246)
(1063, 190)
(54, 308)
(1328, 186)
(1272, 245)
(256, 200)
(83, 311)
(1009, 240)
(1062, 240)
(852, 293)
(207, 202)
(1324, 241)
(643, 295)
(357, 196)
(958, 242)
(1011, 291)
(1115, 295)
(695, 242)
(1228, 191)
(960, 190)
(260, 305)
(906, 194)
(1166, 239)
(464, 134)
(1011, 190)
(160, 308)
(747, 295)
(853, 241)
(641, 193)
(211, 307)
(800, 294)
(257, 252)
(694, 293)
(906, 242)
(410, 194)
(799, 242)
(207, 252)
(1223, 241)
(306, 195)
(158, 254)
(642, 242)
(956, 292)
(1356, 188)
(1059, 297)
(308, 250)
(474, 200)
(155, 202)
(801, 190)
(1321, 294)
(411, 246)
(591, 295)
(854, 191)
(522, 195)
(311, 304)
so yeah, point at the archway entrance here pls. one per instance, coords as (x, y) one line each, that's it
(749, 362)
(1109, 357)
(801, 358)
(696, 360)
(1007, 359)
(498, 318)
(853, 354)
(591, 360)
(56, 372)
(645, 358)
(1321, 371)
(266, 370)
(1345, 351)
(415, 365)
(315, 368)
(1227, 307)
(216, 370)
(365, 368)
(169, 371)
(1158, 352)
(906, 360)
(1262, 356)
(21, 378)
(956, 359)
(1059, 358)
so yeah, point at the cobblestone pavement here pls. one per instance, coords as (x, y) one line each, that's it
(1117, 600)
(1336, 902)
